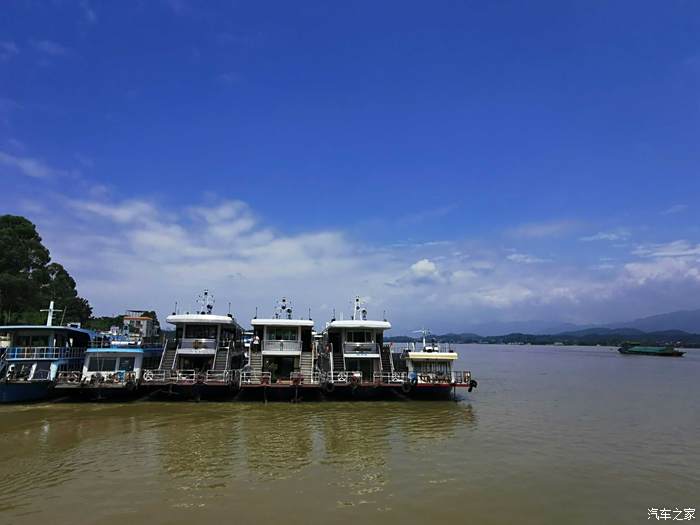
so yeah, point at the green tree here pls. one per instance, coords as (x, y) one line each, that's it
(28, 280)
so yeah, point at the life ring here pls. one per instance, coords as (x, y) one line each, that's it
(406, 387)
(329, 387)
(148, 375)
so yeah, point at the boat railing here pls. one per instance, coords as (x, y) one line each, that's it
(390, 377)
(156, 377)
(462, 376)
(118, 377)
(270, 345)
(345, 376)
(44, 352)
(187, 377)
(69, 377)
(361, 348)
(253, 377)
(219, 377)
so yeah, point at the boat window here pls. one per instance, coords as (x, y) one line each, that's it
(359, 336)
(102, 364)
(281, 333)
(22, 340)
(126, 364)
(200, 331)
(40, 340)
(432, 367)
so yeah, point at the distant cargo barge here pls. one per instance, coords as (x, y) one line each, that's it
(664, 351)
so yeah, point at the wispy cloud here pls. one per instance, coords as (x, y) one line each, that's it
(676, 208)
(534, 230)
(28, 166)
(50, 47)
(524, 258)
(89, 13)
(679, 248)
(8, 49)
(615, 235)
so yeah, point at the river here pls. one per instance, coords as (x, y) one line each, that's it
(572, 435)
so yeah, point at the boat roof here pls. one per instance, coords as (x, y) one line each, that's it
(201, 319)
(433, 356)
(282, 322)
(41, 327)
(380, 325)
(116, 350)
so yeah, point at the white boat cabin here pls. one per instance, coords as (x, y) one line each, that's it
(432, 363)
(358, 342)
(285, 344)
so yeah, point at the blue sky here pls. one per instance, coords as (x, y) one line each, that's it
(454, 162)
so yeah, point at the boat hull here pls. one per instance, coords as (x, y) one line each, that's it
(23, 392)
(659, 353)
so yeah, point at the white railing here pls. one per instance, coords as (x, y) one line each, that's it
(256, 378)
(462, 376)
(281, 346)
(73, 377)
(198, 344)
(44, 352)
(361, 348)
(390, 377)
(157, 377)
(345, 376)
(108, 378)
(222, 377)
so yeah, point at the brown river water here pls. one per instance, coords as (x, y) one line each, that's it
(552, 435)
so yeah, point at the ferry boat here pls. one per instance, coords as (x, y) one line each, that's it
(357, 361)
(429, 370)
(34, 355)
(113, 368)
(282, 355)
(205, 357)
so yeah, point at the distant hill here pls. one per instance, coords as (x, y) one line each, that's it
(685, 320)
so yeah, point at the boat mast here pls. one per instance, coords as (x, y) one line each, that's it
(51, 311)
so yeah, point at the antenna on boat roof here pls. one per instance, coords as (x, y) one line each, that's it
(229, 307)
(206, 302)
(309, 314)
(256, 313)
(49, 315)
(63, 316)
(384, 315)
(333, 318)
(175, 312)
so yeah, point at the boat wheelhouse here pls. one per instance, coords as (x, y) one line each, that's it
(113, 366)
(207, 351)
(429, 368)
(34, 356)
(282, 350)
(357, 351)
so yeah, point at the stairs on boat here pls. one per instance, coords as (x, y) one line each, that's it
(387, 364)
(306, 365)
(338, 361)
(256, 361)
(399, 363)
(221, 359)
(168, 359)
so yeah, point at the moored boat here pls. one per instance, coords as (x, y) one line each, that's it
(429, 370)
(204, 359)
(663, 351)
(34, 356)
(282, 356)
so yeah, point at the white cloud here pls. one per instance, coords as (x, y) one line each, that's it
(679, 248)
(8, 49)
(49, 47)
(542, 229)
(616, 235)
(29, 166)
(676, 208)
(88, 12)
(525, 258)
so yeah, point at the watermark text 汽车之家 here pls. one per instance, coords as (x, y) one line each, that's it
(674, 514)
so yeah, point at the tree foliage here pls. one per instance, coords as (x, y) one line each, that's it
(29, 280)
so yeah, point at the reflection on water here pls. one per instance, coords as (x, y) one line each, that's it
(549, 436)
